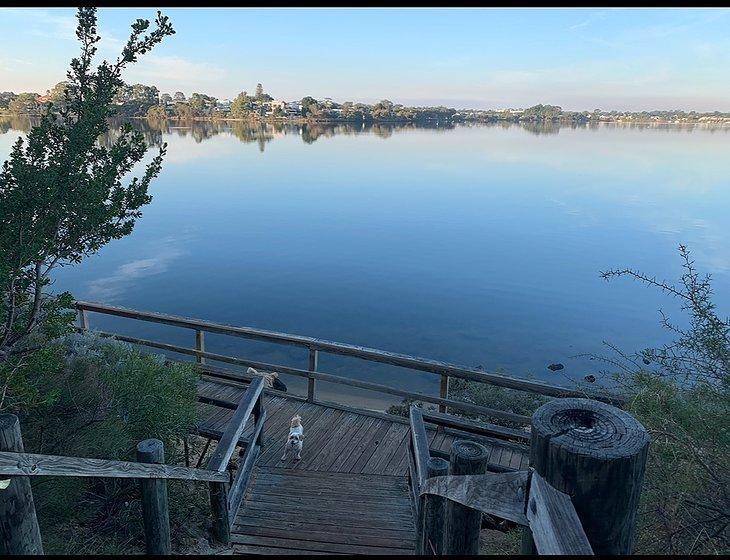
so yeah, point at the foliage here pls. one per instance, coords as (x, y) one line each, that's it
(682, 395)
(157, 112)
(61, 192)
(104, 399)
(685, 506)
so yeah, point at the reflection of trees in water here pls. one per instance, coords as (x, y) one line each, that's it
(261, 133)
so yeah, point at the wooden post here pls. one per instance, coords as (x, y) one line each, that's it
(221, 528)
(444, 391)
(463, 523)
(19, 531)
(154, 500)
(434, 513)
(258, 410)
(596, 454)
(83, 319)
(313, 362)
(200, 345)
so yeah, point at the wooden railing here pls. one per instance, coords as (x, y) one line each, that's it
(225, 494)
(522, 497)
(316, 346)
(226, 501)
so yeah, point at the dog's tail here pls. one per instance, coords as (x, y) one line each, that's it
(296, 421)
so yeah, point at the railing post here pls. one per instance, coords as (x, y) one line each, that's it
(155, 512)
(200, 345)
(258, 410)
(433, 513)
(595, 453)
(83, 319)
(313, 363)
(444, 392)
(464, 523)
(219, 508)
(19, 531)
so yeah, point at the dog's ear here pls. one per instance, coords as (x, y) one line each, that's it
(275, 374)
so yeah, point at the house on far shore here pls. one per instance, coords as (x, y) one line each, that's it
(275, 106)
(223, 105)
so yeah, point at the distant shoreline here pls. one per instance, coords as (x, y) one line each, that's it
(719, 123)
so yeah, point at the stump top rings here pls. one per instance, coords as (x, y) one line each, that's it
(589, 427)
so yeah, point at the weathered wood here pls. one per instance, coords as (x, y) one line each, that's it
(155, 513)
(490, 430)
(444, 391)
(462, 522)
(221, 525)
(596, 454)
(553, 521)
(245, 468)
(19, 531)
(311, 381)
(370, 354)
(431, 541)
(83, 320)
(200, 345)
(498, 494)
(259, 415)
(29, 464)
(221, 456)
(420, 445)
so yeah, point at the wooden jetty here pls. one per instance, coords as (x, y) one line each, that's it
(368, 482)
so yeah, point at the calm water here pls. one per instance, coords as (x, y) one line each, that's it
(476, 245)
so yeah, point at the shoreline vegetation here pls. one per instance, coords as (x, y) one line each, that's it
(140, 101)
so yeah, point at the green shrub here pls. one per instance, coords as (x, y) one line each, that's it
(101, 398)
(682, 396)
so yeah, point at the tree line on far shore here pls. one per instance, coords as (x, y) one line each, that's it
(139, 100)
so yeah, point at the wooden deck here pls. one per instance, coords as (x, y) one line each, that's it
(349, 492)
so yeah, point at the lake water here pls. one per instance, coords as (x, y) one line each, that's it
(478, 245)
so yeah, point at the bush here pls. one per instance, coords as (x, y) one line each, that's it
(682, 397)
(101, 399)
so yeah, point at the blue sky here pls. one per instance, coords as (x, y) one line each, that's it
(481, 58)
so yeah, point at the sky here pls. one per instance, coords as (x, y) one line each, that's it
(580, 59)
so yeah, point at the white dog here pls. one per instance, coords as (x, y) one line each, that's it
(294, 441)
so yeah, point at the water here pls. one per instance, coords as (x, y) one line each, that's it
(478, 245)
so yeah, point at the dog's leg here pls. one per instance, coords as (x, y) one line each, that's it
(286, 452)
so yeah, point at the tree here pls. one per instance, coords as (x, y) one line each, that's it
(241, 106)
(183, 111)
(24, 103)
(179, 96)
(306, 103)
(157, 112)
(259, 92)
(62, 196)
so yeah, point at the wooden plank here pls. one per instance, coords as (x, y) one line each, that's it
(555, 526)
(29, 464)
(391, 440)
(254, 513)
(339, 439)
(317, 534)
(229, 440)
(370, 354)
(420, 444)
(276, 551)
(339, 462)
(243, 474)
(370, 447)
(317, 546)
(499, 494)
(491, 430)
(298, 526)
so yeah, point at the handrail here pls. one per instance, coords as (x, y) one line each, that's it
(31, 464)
(229, 440)
(467, 407)
(368, 354)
